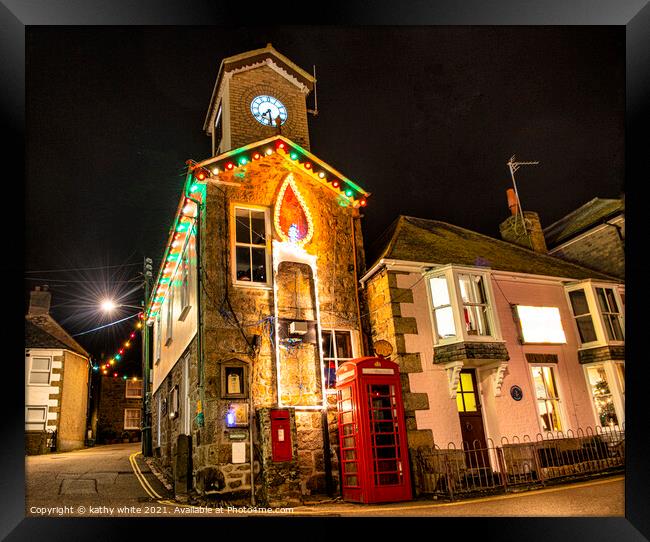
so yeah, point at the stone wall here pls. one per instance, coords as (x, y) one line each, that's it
(112, 402)
(491, 351)
(530, 237)
(602, 353)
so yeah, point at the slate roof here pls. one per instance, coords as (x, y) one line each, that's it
(590, 214)
(432, 241)
(42, 331)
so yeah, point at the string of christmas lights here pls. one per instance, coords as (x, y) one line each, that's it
(109, 366)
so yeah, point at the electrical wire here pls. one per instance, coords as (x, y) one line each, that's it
(106, 325)
(81, 268)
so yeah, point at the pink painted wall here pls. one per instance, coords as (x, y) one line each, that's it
(503, 416)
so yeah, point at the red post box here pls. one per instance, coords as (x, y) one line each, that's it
(372, 432)
(280, 435)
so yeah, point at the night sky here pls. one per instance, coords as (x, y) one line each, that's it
(424, 118)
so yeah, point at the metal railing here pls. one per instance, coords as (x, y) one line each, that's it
(482, 468)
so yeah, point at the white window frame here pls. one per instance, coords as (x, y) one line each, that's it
(158, 422)
(169, 315)
(36, 407)
(326, 360)
(131, 427)
(40, 371)
(185, 284)
(172, 409)
(451, 273)
(560, 404)
(617, 315)
(234, 207)
(589, 286)
(158, 333)
(126, 389)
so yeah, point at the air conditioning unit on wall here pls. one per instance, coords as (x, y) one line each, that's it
(298, 328)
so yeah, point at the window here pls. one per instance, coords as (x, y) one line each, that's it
(40, 371)
(218, 130)
(131, 418)
(582, 315)
(548, 400)
(601, 395)
(337, 348)
(173, 402)
(185, 286)
(160, 413)
(443, 314)
(475, 305)
(170, 317)
(250, 245)
(610, 312)
(465, 394)
(133, 389)
(35, 418)
(540, 324)
(158, 339)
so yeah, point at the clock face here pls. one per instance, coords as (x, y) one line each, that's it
(266, 109)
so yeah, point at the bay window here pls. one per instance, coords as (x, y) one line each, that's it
(597, 313)
(601, 395)
(461, 305)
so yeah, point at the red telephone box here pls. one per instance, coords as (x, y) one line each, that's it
(372, 432)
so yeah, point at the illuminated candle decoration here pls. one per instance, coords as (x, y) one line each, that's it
(230, 417)
(292, 218)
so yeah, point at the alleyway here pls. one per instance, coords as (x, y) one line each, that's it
(114, 480)
(89, 482)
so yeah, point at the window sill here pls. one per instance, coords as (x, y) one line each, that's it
(184, 313)
(248, 284)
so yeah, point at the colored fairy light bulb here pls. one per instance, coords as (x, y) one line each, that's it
(230, 165)
(138, 325)
(124, 377)
(307, 165)
(127, 344)
(243, 161)
(349, 193)
(321, 174)
(256, 156)
(121, 351)
(269, 152)
(201, 175)
(118, 357)
(293, 155)
(114, 375)
(112, 362)
(132, 335)
(280, 145)
(335, 184)
(194, 188)
(362, 203)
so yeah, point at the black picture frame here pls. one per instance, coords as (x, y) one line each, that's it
(634, 15)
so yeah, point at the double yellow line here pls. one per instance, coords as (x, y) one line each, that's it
(143, 481)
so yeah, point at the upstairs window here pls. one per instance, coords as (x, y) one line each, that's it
(170, 317)
(40, 371)
(475, 304)
(442, 310)
(582, 316)
(610, 312)
(131, 418)
(158, 339)
(185, 285)
(251, 253)
(540, 325)
(133, 389)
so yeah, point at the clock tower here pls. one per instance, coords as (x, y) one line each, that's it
(258, 94)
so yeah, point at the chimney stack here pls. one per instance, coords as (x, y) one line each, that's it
(39, 301)
(529, 234)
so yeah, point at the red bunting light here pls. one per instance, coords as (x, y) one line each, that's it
(230, 165)
(335, 184)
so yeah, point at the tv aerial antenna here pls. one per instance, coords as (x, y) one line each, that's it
(514, 165)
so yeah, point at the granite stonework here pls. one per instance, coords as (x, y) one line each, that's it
(111, 403)
(603, 353)
(490, 351)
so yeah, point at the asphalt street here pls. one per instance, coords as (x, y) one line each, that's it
(114, 480)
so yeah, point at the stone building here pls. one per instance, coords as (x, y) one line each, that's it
(493, 339)
(256, 302)
(593, 236)
(57, 371)
(117, 409)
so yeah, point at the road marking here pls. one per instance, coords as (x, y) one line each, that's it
(481, 499)
(141, 478)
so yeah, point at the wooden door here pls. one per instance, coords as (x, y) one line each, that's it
(471, 420)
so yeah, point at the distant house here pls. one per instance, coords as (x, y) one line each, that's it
(118, 409)
(593, 235)
(56, 381)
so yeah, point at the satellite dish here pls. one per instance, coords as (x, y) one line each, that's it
(383, 348)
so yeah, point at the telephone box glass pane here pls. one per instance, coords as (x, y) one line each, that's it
(349, 454)
(346, 417)
(348, 442)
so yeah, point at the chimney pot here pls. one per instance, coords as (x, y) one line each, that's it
(512, 201)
